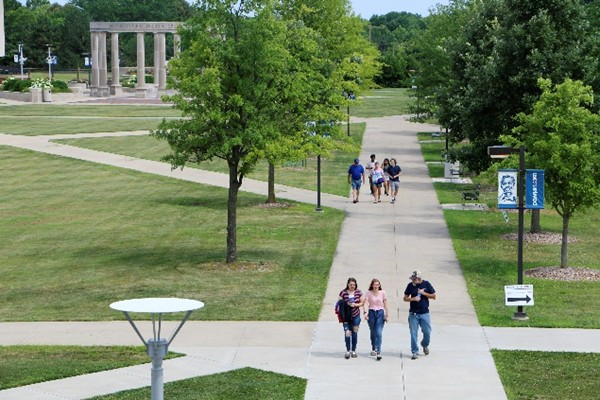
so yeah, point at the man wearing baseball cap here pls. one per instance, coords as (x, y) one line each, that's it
(356, 176)
(418, 293)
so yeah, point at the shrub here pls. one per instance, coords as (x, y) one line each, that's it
(16, 85)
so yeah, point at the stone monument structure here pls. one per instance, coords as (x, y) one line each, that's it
(98, 30)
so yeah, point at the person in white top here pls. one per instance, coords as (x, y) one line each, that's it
(376, 316)
(378, 181)
(369, 167)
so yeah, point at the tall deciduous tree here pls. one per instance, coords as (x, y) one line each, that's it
(562, 137)
(350, 70)
(243, 71)
(506, 45)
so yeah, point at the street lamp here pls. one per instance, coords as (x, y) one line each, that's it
(318, 209)
(21, 59)
(504, 152)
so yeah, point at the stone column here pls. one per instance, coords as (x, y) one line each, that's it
(115, 87)
(103, 89)
(95, 64)
(156, 59)
(141, 67)
(162, 62)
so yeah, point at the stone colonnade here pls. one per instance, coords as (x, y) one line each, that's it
(99, 84)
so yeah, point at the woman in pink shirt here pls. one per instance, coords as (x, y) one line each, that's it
(377, 315)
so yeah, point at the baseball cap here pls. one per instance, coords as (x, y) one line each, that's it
(416, 274)
(356, 160)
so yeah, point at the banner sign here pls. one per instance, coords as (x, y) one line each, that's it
(507, 188)
(534, 188)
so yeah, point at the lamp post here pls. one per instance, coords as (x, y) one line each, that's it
(21, 59)
(49, 60)
(504, 152)
(318, 209)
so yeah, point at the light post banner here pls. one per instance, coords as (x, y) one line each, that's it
(534, 188)
(507, 188)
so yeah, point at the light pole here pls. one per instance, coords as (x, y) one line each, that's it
(49, 61)
(504, 152)
(21, 59)
(318, 209)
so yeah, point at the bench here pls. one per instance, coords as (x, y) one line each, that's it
(456, 171)
(471, 194)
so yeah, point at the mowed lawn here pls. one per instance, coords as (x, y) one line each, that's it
(77, 236)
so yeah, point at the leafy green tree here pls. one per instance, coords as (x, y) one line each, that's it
(433, 68)
(350, 72)
(506, 46)
(391, 33)
(562, 137)
(243, 70)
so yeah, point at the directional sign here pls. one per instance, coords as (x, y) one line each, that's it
(518, 295)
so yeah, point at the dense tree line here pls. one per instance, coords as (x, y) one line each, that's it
(518, 72)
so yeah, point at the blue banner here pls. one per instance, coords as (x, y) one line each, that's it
(534, 188)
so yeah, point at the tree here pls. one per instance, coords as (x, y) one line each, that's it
(505, 46)
(350, 73)
(562, 137)
(243, 70)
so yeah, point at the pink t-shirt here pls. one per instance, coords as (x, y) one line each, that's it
(376, 302)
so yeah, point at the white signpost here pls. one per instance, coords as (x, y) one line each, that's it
(518, 295)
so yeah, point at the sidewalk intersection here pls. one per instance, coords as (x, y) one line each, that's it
(377, 240)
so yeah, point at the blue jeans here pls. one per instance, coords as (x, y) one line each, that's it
(414, 321)
(376, 321)
(352, 338)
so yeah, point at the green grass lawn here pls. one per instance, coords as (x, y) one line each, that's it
(382, 102)
(25, 365)
(245, 383)
(541, 375)
(77, 236)
(334, 169)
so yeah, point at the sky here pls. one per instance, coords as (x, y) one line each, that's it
(367, 8)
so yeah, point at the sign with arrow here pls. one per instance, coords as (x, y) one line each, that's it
(518, 295)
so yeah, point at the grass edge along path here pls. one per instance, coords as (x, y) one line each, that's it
(26, 365)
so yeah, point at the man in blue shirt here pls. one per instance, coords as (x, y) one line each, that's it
(356, 176)
(418, 293)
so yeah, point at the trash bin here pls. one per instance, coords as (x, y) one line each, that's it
(46, 95)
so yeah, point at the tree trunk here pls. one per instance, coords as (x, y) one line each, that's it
(271, 195)
(535, 221)
(234, 187)
(565, 234)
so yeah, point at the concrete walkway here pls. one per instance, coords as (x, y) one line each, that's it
(377, 240)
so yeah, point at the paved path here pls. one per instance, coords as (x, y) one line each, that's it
(377, 240)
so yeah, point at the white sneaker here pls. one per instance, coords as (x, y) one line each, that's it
(373, 353)
(347, 355)
(414, 356)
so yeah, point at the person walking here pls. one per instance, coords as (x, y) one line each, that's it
(386, 175)
(418, 293)
(394, 172)
(356, 176)
(353, 298)
(370, 165)
(376, 314)
(378, 180)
